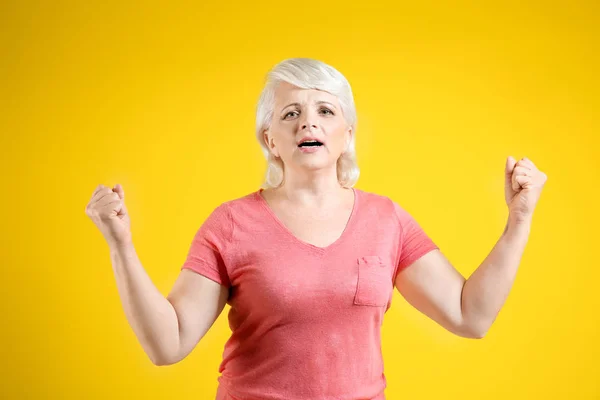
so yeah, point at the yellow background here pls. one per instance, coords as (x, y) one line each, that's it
(160, 97)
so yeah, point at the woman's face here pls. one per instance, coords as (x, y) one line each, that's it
(302, 113)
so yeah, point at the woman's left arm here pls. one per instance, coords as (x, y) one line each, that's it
(487, 288)
(469, 307)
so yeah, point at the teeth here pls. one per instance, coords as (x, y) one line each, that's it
(310, 141)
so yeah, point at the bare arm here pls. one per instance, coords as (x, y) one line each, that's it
(167, 328)
(470, 307)
(433, 286)
(465, 307)
(487, 289)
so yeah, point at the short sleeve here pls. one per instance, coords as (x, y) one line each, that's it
(207, 251)
(414, 241)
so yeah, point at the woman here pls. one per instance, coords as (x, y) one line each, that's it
(307, 262)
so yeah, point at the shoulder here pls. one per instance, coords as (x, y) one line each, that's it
(243, 210)
(245, 201)
(384, 206)
(376, 201)
(226, 209)
(225, 215)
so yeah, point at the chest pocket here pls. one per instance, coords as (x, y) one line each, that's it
(374, 283)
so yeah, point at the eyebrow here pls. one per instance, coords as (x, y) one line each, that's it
(318, 102)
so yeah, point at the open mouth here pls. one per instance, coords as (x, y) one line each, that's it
(310, 143)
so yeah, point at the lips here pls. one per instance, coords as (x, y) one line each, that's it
(309, 141)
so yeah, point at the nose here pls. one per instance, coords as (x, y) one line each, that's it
(308, 123)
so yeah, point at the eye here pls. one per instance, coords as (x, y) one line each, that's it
(327, 111)
(291, 112)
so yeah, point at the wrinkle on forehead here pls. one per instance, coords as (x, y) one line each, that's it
(286, 93)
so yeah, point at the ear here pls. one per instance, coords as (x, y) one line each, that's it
(348, 138)
(269, 142)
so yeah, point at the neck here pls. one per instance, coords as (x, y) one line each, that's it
(315, 188)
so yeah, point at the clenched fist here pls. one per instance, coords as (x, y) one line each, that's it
(107, 210)
(523, 186)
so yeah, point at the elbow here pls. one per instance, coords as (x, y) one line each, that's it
(477, 335)
(162, 357)
(159, 362)
(162, 361)
(473, 328)
(473, 332)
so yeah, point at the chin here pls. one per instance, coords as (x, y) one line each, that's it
(313, 161)
(316, 164)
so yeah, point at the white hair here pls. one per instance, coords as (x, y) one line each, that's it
(307, 73)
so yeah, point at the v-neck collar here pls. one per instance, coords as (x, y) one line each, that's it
(315, 248)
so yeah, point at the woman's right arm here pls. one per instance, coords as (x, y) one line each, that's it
(167, 328)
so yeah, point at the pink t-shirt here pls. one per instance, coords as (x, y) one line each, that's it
(305, 320)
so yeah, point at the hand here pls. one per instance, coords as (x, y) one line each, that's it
(523, 185)
(107, 210)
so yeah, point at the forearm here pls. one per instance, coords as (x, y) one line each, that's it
(486, 290)
(149, 313)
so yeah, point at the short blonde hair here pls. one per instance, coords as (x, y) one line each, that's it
(307, 73)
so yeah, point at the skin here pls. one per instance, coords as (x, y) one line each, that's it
(469, 307)
(310, 180)
(310, 203)
(314, 206)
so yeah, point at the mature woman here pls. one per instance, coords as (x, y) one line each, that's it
(307, 262)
